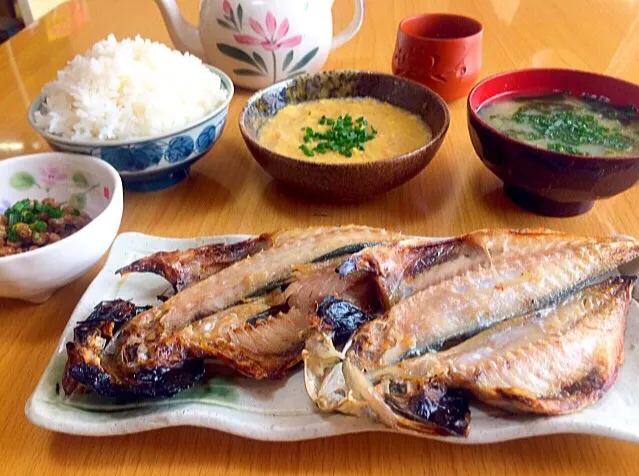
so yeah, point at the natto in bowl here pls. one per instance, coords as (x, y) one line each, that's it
(85, 183)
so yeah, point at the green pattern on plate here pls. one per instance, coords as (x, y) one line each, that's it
(214, 390)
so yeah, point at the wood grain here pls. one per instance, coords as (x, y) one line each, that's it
(229, 193)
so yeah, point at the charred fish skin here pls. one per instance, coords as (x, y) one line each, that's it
(133, 348)
(551, 362)
(183, 268)
(341, 318)
(83, 372)
(514, 282)
(147, 384)
(114, 313)
(90, 337)
(441, 412)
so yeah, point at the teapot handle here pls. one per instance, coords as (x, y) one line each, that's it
(351, 30)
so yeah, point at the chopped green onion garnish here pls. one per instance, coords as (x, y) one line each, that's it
(53, 212)
(12, 234)
(342, 137)
(13, 218)
(21, 205)
(27, 216)
(306, 150)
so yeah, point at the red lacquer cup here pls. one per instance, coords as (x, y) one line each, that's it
(441, 51)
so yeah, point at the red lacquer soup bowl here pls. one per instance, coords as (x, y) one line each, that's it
(544, 181)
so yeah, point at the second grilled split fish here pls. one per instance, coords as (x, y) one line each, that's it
(442, 294)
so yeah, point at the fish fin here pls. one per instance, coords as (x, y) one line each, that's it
(243, 347)
(182, 268)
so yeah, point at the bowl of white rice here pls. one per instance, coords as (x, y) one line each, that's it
(148, 110)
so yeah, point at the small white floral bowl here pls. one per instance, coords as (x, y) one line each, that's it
(83, 182)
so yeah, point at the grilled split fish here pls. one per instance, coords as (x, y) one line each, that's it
(185, 327)
(443, 293)
(518, 271)
(364, 302)
(552, 361)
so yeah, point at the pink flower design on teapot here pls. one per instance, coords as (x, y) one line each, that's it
(273, 38)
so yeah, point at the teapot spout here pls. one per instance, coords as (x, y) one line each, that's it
(185, 36)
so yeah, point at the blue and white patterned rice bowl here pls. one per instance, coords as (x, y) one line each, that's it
(150, 163)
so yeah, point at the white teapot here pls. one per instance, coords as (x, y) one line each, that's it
(260, 42)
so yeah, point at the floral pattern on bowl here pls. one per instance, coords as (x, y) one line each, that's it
(155, 163)
(138, 157)
(68, 187)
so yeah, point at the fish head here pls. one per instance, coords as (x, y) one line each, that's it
(418, 405)
(336, 382)
(324, 376)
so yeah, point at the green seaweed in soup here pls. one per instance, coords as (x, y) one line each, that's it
(564, 123)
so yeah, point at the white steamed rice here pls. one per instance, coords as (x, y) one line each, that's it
(128, 89)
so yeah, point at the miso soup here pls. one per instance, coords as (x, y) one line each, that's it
(563, 123)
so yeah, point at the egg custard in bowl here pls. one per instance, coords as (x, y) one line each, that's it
(344, 135)
(344, 130)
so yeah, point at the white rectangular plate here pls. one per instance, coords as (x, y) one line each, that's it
(281, 410)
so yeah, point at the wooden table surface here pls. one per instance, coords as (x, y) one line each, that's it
(229, 193)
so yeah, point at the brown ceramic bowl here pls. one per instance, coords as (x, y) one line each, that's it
(441, 51)
(543, 181)
(344, 181)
